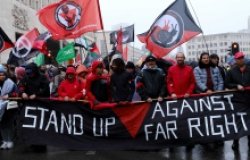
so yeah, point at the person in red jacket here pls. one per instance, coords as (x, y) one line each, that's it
(180, 79)
(71, 88)
(98, 87)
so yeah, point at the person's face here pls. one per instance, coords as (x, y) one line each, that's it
(240, 62)
(99, 69)
(2, 77)
(70, 76)
(180, 59)
(43, 69)
(151, 64)
(130, 70)
(205, 59)
(82, 74)
(215, 61)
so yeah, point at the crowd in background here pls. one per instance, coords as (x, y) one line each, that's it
(118, 82)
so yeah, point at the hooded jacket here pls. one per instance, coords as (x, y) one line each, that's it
(97, 86)
(72, 89)
(33, 82)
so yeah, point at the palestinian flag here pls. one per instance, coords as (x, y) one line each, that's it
(91, 56)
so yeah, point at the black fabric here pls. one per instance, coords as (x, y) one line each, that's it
(120, 86)
(37, 84)
(222, 116)
(235, 77)
(153, 81)
(100, 89)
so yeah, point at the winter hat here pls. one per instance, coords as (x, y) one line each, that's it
(239, 55)
(20, 72)
(32, 68)
(81, 68)
(130, 65)
(95, 64)
(150, 58)
(2, 69)
(70, 70)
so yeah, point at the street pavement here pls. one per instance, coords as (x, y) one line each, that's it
(199, 152)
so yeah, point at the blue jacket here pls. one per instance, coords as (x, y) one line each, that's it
(200, 75)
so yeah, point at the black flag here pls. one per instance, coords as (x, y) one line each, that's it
(127, 35)
(174, 26)
(5, 41)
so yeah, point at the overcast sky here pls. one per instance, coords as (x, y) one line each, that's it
(215, 16)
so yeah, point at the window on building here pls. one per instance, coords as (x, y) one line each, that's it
(37, 5)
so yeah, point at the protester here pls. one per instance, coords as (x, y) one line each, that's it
(34, 84)
(8, 88)
(214, 58)
(180, 79)
(11, 72)
(120, 83)
(71, 88)
(151, 81)
(207, 78)
(131, 68)
(55, 79)
(98, 86)
(19, 73)
(238, 77)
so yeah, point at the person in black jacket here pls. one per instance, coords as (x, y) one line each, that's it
(238, 77)
(121, 89)
(33, 84)
(150, 82)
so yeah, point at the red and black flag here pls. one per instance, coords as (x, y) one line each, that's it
(40, 42)
(70, 19)
(127, 35)
(174, 26)
(25, 43)
(5, 41)
(119, 46)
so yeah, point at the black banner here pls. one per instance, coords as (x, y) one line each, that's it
(73, 125)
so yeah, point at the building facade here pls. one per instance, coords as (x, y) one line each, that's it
(218, 44)
(18, 17)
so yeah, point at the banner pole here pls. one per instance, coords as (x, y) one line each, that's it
(202, 34)
(167, 98)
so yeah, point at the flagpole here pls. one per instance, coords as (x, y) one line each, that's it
(203, 37)
(133, 52)
(106, 45)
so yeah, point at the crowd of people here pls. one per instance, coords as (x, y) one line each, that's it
(120, 82)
